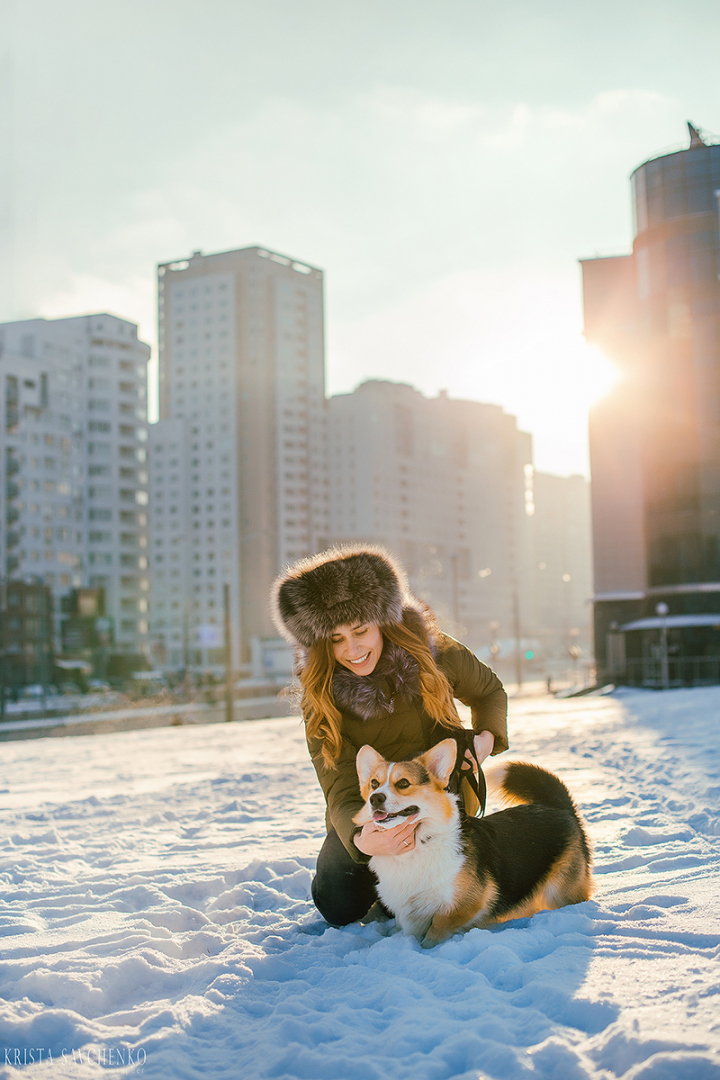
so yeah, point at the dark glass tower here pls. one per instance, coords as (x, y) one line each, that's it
(655, 441)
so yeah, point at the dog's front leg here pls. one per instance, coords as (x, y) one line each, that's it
(442, 927)
(436, 933)
(446, 923)
(414, 925)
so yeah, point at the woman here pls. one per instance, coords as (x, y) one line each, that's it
(375, 668)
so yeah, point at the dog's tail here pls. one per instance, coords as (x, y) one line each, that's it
(518, 782)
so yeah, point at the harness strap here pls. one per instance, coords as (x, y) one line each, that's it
(464, 741)
(475, 780)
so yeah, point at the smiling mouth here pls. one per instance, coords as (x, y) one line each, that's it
(362, 660)
(381, 815)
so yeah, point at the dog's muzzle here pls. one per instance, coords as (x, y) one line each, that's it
(382, 815)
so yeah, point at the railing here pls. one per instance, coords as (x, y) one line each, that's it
(676, 671)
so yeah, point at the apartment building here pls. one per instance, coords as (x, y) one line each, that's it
(172, 574)
(238, 484)
(447, 486)
(73, 423)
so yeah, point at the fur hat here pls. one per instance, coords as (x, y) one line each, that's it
(340, 586)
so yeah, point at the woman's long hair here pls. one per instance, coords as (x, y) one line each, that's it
(322, 716)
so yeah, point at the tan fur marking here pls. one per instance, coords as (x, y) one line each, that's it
(379, 774)
(495, 779)
(407, 770)
(472, 898)
(419, 777)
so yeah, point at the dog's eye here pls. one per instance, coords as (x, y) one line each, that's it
(402, 784)
(374, 784)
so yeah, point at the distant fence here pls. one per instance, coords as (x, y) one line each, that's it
(658, 673)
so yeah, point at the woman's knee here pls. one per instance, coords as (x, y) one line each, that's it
(342, 890)
(338, 905)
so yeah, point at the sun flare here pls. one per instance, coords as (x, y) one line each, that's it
(599, 374)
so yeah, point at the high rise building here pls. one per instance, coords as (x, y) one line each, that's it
(447, 486)
(238, 478)
(655, 440)
(73, 422)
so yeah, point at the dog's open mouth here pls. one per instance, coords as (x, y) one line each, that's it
(381, 815)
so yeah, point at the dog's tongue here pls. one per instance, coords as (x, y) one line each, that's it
(379, 815)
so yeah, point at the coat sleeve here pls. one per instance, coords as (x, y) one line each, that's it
(477, 686)
(342, 793)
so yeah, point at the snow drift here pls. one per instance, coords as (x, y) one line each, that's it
(156, 918)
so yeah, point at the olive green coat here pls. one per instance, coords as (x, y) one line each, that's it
(407, 732)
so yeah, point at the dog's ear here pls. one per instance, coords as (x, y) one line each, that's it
(440, 760)
(367, 759)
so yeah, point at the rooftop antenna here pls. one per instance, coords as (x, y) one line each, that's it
(696, 138)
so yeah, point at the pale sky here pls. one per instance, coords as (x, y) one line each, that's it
(445, 162)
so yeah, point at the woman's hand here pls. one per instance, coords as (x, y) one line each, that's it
(372, 840)
(483, 743)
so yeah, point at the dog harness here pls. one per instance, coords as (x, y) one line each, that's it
(464, 741)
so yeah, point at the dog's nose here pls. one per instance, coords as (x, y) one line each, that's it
(377, 800)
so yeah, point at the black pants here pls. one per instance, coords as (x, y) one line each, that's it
(343, 890)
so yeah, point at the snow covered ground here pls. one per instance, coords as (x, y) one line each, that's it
(156, 918)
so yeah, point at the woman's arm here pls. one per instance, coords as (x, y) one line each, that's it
(477, 686)
(342, 794)
(484, 743)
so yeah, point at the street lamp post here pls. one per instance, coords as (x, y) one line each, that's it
(662, 609)
(3, 643)
(229, 688)
(518, 638)
(454, 592)
(494, 643)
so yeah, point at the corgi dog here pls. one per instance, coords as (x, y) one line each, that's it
(465, 872)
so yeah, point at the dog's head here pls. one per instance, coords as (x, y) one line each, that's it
(394, 790)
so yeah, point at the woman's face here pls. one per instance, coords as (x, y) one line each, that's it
(357, 646)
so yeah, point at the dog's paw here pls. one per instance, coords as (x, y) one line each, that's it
(430, 939)
(378, 913)
(429, 942)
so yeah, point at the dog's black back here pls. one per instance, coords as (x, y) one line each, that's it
(521, 846)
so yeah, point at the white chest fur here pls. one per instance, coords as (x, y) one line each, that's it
(422, 882)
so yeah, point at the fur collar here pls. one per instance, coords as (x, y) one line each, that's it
(395, 681)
